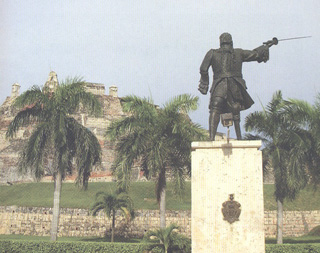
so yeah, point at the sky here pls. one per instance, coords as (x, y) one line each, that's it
(154, 48)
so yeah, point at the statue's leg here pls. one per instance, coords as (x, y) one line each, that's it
(214, 120)
(216, 104)
(236, 120)
(237, 128)
(235, 108)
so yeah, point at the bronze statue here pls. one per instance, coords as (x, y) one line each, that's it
(228, 91)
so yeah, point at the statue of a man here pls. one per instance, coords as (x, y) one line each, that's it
(228, 91)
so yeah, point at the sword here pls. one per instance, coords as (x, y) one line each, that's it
(275, 41)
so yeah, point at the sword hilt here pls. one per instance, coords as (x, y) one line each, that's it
(272, 42)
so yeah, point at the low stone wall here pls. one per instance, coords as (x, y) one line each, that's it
(295, 223)
(79, 222)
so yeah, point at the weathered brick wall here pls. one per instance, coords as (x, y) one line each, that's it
(79, 222)
(295, 223)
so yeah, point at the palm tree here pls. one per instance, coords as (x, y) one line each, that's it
(306, 150)
(277, 133)
(110, 203)
(169, 239)
(159, 139)
(58, 141)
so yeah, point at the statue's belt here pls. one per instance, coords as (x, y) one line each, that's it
(227, 75)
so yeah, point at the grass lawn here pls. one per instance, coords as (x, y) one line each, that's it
(142, 193)
(41, 195)
(308, 199)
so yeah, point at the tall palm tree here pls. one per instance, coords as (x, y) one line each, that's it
(159, 139)
(110, 203)
(58, 141)
(275, 130)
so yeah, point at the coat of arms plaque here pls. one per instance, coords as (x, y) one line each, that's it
(231, 210)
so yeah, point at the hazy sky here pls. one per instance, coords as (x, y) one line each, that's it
(156, 47)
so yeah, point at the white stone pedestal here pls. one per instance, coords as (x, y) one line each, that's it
(218, 170)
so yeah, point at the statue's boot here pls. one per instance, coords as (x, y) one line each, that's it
(214, 120)
(237, 129)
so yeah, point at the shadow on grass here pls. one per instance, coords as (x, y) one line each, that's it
(297, 240)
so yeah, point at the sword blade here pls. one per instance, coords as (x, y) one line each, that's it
(296, 38)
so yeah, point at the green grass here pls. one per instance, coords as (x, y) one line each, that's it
(41, 195)
(308, 199)
(142, 193)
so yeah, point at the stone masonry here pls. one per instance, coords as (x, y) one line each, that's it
(79, 222)
(9, 149)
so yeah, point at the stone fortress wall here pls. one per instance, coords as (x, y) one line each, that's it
(79, 222)
(9, 149)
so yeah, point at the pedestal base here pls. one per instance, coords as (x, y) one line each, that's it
(220, 169)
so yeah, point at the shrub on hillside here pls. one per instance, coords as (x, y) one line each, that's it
(315, 231)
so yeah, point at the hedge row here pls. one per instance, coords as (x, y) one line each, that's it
(35, 246)
(293, 248)
(53, 247)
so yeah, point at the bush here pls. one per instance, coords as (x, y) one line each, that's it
(175, 242)
(53, 247)
(293, 248)
(315, 231)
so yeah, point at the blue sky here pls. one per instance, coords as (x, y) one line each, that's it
(156, 47)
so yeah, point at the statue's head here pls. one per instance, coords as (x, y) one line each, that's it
(226, 38)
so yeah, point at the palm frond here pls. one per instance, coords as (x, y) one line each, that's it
(24, 117)
(30, 97)
(138, 106)
(183, 103)
(87, 151)
(33, 152)
(179, 182)
(165, 236)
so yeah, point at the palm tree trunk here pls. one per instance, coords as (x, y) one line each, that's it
(113, 225)
(163, 208)
(279, 221)
(56, 206)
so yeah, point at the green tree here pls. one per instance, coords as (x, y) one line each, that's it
(110, 203)
(306, 137)
(168, 239)
(275, 130)
(159, 139)
(58, 141)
